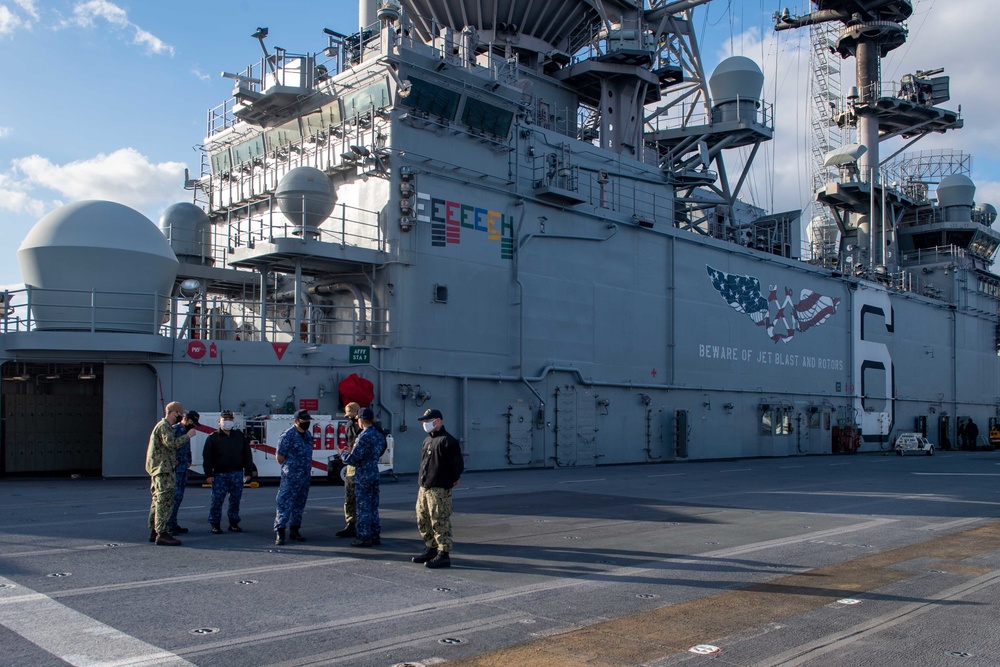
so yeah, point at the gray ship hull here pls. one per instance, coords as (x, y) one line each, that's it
(464, 220)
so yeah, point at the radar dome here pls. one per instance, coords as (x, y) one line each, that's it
(956, 190)
(988, 212)
(97, 265)
(305, 196)
(189, 232)
(736, 77)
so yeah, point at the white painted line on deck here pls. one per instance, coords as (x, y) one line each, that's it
(74, 637)
(959, 474)
(583, 481)
(947, 525)
(63, 550)
(146, 511)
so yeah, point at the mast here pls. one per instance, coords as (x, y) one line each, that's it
(865, 209)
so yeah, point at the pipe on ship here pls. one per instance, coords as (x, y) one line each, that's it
(366, 12)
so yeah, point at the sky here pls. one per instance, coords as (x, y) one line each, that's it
(108, 100)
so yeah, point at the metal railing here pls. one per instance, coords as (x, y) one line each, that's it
(37, 309)
(216, 318)
(246, 226)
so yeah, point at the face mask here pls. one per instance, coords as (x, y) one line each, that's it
(305, 425)
(228, 424)
(428, 426)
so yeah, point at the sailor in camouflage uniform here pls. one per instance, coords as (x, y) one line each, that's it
(295, 447)
(441, 464)
(364, 457)
(181, 471)
(161, 460)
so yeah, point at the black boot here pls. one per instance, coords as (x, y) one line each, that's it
(295, 534)
(362, 542)
(152, 535)
(279, 536)
(178, 530)
(428, 554)
(167, 540)
(216, 529)
(234, 527)
(348, 531)
(441, 560)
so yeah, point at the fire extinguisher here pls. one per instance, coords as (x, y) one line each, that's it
(317, 435)
(342, 437)
(329, 437)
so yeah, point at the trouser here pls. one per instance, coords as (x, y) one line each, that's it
(368, 524)
(223, 484)
(291, 501)
(434, 517)
(162, 488)
(350, 497)
(182, 480)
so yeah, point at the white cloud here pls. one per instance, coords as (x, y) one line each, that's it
(15, 198)
(125, 176)
(86, 14)
(28, 7)
(152, 43)
(4, 131)
(9, 21)
(201, 75)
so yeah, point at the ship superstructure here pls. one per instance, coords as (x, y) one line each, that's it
(519, 213)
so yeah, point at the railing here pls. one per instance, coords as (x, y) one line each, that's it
(329, 150)
(219, 318)
(346, 226)
(90, 311)
(215, 318)
(694, 115)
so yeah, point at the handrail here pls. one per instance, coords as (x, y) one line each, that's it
(101, 311)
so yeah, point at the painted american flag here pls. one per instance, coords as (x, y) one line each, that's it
(781, 318)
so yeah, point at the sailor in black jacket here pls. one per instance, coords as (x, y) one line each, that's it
(441, 464)
(228, 464)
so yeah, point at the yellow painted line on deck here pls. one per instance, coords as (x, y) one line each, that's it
(658, 633)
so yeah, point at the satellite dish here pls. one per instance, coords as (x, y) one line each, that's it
(844, 155)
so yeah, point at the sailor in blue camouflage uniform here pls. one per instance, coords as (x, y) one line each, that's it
(190, 420)
(228, 465)
(364, 457)
(295, 448)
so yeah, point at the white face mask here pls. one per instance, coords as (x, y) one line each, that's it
(228, 424)
(429, 426)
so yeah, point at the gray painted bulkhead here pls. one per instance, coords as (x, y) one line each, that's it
(576, 332)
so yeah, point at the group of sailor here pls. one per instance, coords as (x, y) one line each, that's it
(228, 463)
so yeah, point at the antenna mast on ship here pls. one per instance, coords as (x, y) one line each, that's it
(867, 211)
(825, 94)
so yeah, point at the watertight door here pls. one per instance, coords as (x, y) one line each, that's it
(576, 427)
